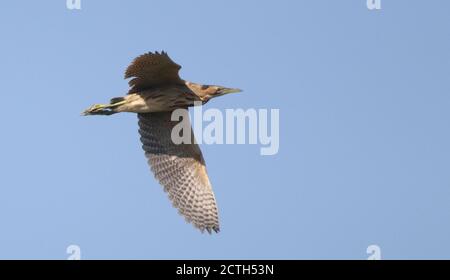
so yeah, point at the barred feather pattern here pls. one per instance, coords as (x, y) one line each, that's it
(151, 70)
(180, 169)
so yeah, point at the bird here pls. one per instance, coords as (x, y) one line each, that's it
(156, 91)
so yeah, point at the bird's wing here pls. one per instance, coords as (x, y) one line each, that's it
(180, 169)
(150, 70)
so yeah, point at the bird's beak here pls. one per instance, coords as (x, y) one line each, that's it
(229, 90)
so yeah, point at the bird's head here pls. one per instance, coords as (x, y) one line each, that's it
(206, 92)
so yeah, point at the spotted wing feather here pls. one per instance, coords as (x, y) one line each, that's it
(180, 169)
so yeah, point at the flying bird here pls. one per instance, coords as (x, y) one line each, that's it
(156, 90)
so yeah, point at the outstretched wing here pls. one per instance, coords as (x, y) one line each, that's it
(150, 70)
(180, 169)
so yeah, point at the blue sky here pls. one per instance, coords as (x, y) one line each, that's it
(364, 152)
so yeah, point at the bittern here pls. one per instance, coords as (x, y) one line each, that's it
(156, 90)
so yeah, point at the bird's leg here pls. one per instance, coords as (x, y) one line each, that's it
(102, 109)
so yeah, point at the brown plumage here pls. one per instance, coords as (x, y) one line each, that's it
(155, 91)
(150, 70)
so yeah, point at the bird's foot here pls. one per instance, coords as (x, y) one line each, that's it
(99, 109)
(105, 109)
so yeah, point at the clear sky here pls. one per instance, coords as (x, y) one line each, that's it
(364, 158)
